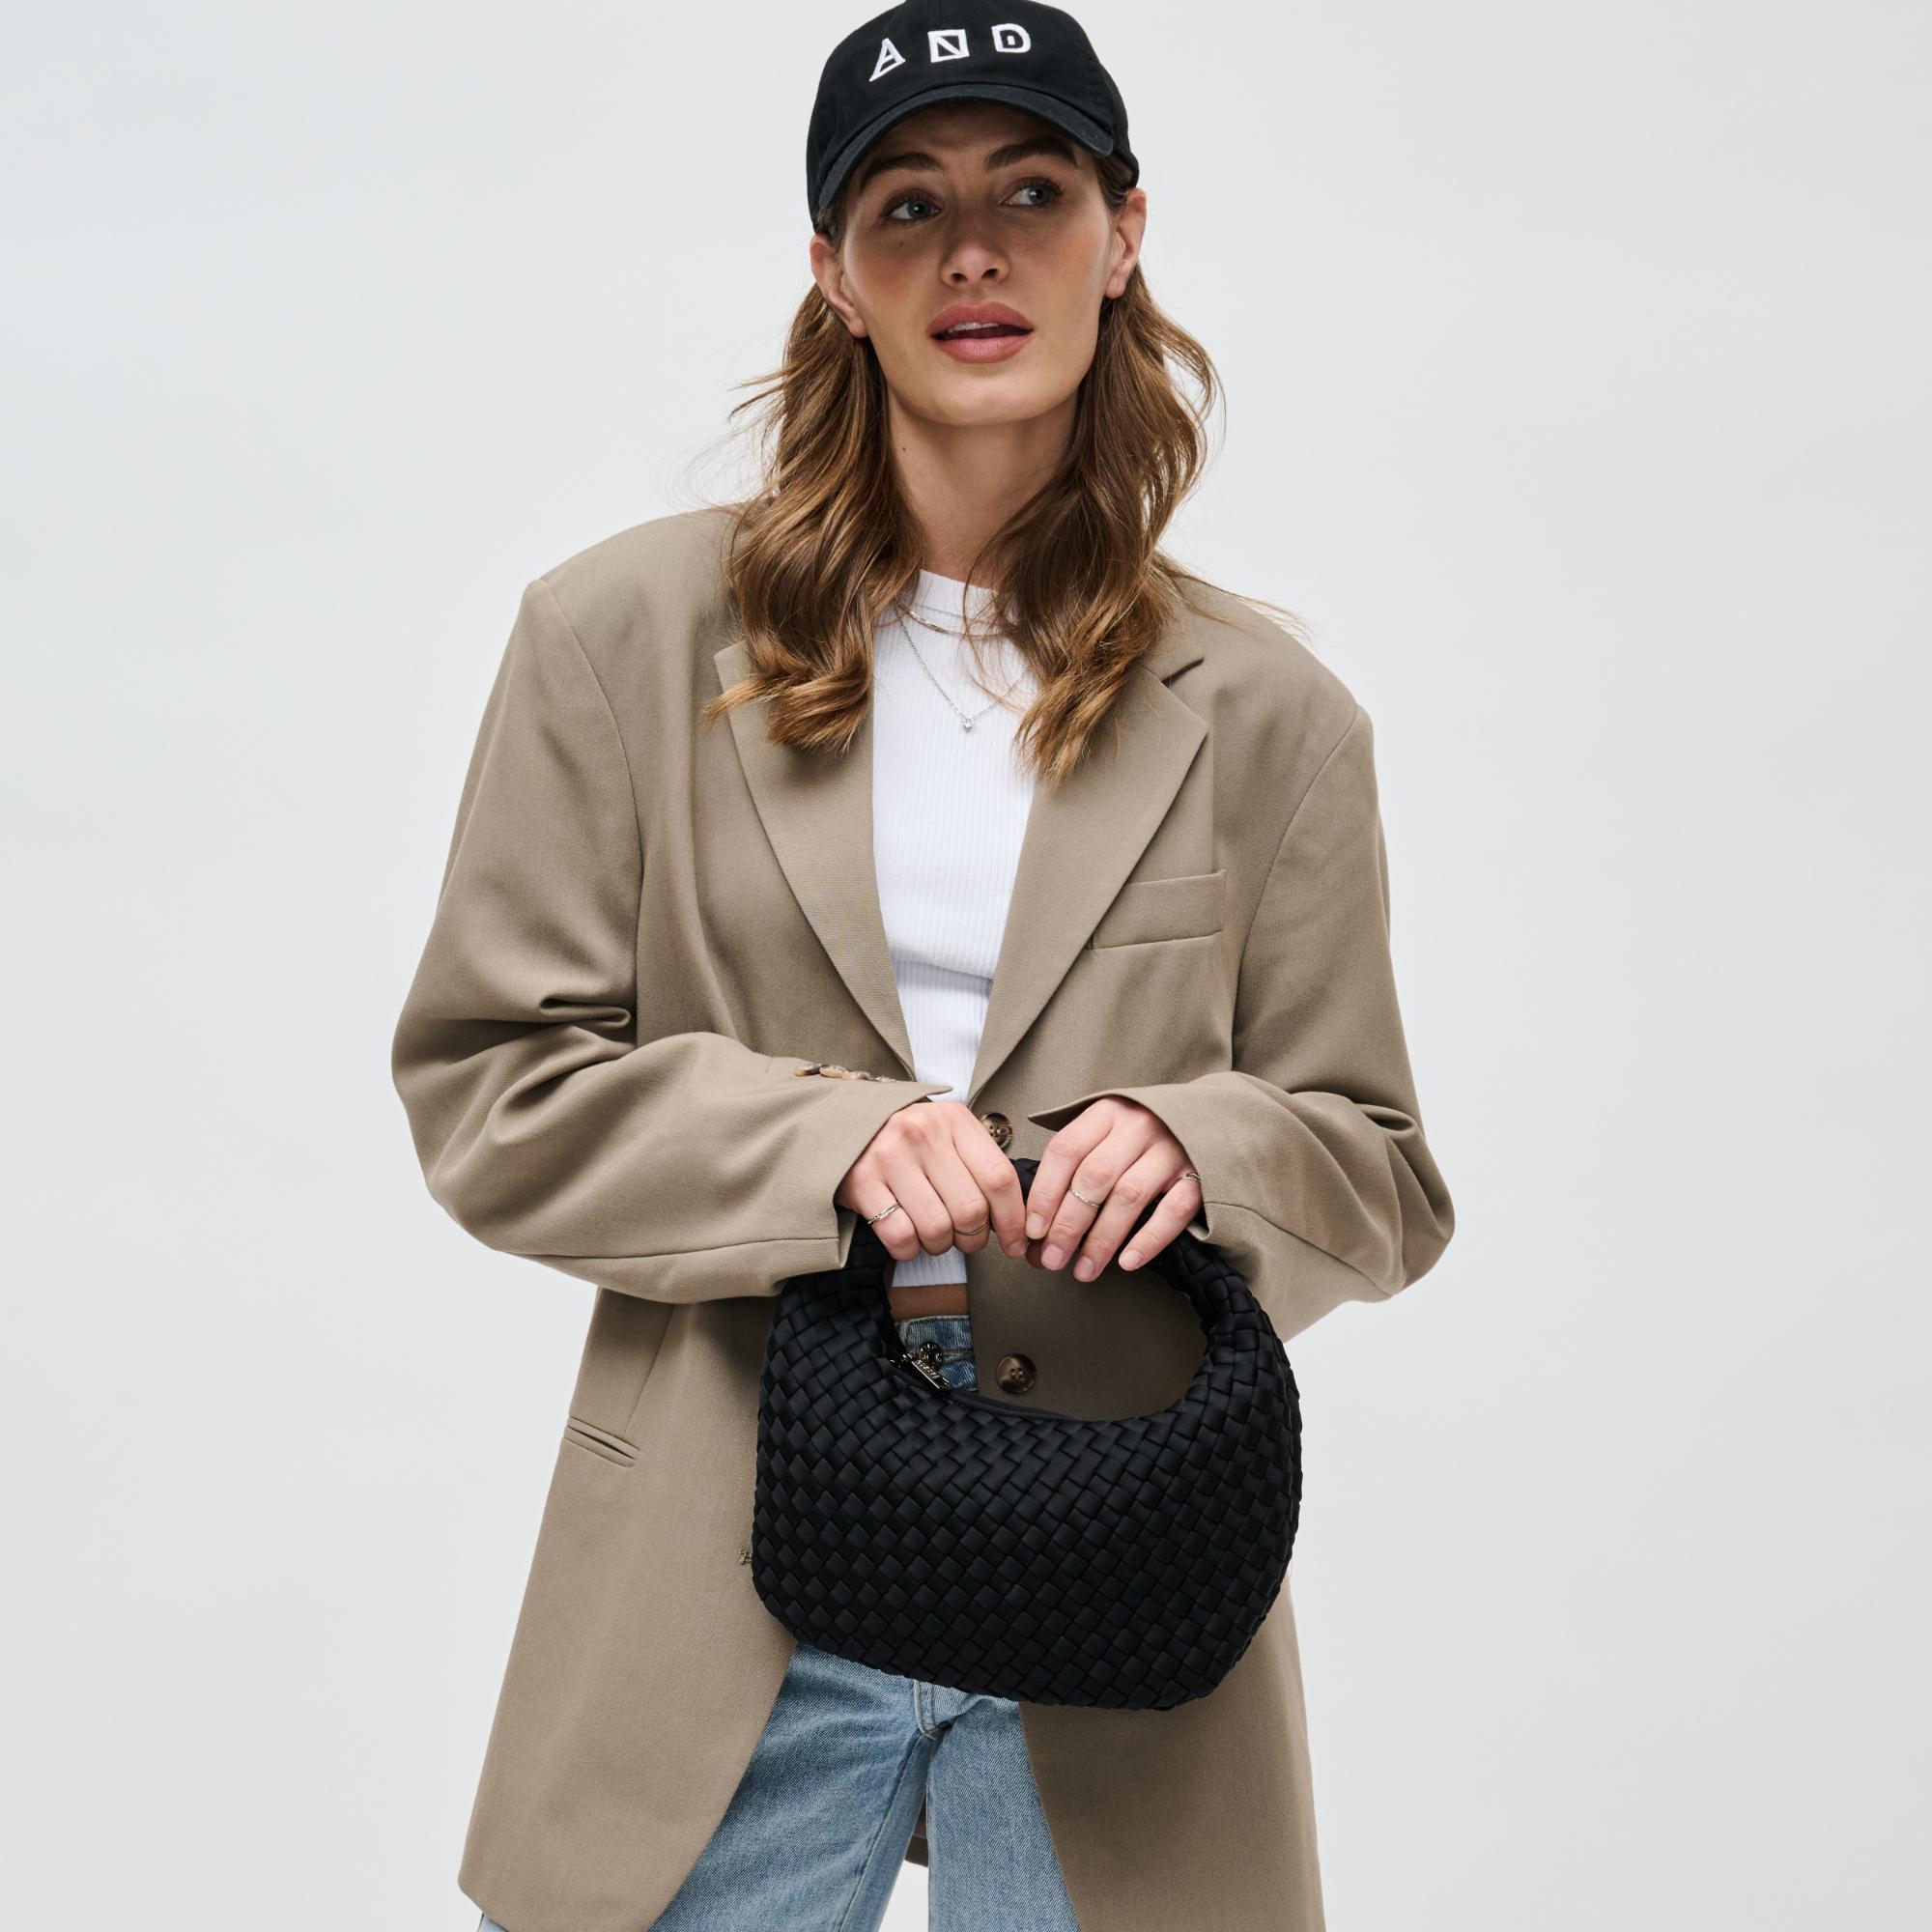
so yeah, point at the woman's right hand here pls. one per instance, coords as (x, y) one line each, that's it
(947, 1172)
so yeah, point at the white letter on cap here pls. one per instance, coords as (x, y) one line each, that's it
(946, 43)
(890, 57)
(1011, 40)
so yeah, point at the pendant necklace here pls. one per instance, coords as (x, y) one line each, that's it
(965, 720)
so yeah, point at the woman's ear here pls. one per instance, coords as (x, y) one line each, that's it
(829, 272)
(1129, 225)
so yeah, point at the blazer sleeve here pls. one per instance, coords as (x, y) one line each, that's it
(1317, 1182)
(682, 1168)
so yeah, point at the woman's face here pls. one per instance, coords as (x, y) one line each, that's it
(971, 204)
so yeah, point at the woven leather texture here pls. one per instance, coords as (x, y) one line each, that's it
(952, 1535)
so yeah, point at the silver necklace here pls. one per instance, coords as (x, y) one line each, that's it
(966, 721)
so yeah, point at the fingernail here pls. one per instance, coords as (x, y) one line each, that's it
(1053, 1257)
(1036, 1227)
(1083, 1269)
(1015, 1249)
(1131, 1255)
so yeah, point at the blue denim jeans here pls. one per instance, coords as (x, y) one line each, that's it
(816, 1834)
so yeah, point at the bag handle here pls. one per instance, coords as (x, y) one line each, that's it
(1187, 1264)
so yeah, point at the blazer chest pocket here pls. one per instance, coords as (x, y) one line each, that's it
(1185, 907)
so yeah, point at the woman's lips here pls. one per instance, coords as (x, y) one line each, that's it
(983, 345)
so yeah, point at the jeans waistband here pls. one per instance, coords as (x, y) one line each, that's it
(947, 1331)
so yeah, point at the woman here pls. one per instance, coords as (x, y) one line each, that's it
(820, 853)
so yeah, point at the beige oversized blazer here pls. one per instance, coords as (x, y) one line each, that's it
(647, 929)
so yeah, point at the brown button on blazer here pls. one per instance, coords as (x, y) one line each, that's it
(647, 930)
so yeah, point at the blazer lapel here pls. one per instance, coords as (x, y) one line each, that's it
(1080, 843)
(817, 812)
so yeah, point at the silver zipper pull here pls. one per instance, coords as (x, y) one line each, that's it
(923, 1363)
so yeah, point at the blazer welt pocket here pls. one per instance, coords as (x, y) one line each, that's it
(1178, 908)
(599, 1441)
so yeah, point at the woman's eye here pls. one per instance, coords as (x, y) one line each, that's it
(1050, 189)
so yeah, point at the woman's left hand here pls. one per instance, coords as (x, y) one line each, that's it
(1119, 1153)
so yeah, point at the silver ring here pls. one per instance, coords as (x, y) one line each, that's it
(882, 1214)
(1187, 1174)
(1078, 1196)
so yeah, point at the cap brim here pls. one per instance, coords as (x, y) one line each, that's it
(1068, 120)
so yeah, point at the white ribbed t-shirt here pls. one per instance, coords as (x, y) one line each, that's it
(950, 810)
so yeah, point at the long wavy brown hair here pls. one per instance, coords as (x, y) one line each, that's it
(827, 541)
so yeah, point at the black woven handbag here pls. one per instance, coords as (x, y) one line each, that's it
(945, 1535)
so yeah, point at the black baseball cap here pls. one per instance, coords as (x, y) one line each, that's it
(1017, 51)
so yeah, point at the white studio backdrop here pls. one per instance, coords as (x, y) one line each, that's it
(1578, 397)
